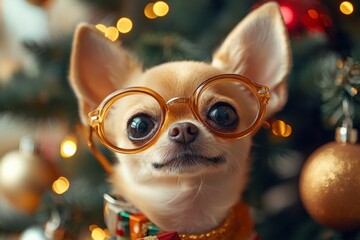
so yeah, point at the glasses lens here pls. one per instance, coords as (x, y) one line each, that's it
(132, 120)
(228, 106)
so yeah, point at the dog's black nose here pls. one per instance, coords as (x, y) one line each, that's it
(184, 132)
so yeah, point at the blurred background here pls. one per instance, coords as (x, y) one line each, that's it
(50, 184)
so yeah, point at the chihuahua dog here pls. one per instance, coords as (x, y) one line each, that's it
(182, 149)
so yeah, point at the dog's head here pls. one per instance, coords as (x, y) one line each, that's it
(186, 128)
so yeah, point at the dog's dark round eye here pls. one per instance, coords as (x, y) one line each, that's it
(223, 116)
(140, 127)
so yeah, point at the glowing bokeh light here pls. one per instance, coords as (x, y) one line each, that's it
(313, 13)
(149, 11)
(288, 131)
(112, 33)
(98, 234)
(340, 63)
(68, 147)
(61, 185)
(92, 227)
(124, 25)
(161, 8)
(280, 128)
(346, 8)
(287, 14)
(354, 90)
(13, 168)
(101, 27)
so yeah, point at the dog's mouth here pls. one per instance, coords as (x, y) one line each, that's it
(188, 161)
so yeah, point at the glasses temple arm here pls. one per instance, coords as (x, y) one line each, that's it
(99, 156)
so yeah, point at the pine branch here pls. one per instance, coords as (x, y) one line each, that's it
(340, 81)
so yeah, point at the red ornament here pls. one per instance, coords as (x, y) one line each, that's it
(168, 236)
(307, 16)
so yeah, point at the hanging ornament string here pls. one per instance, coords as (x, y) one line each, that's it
(346, 133)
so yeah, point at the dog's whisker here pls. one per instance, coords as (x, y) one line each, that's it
(211, 188)
(176, 196)
(199, 188)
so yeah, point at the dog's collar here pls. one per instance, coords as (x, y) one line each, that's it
(237, 225)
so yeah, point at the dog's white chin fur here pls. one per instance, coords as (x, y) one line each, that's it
(182, 202)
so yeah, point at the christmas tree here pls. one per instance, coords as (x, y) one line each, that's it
(39, 110)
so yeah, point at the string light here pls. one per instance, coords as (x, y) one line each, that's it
(354, 90)
(346, 8)
(101, 27)
(313, 13)
(287, 14)
(98, 234)
(112, 33)
(68, 147)
(61, 185)
(149, 11)
(280, 128)
(161, 8)
(124, 25)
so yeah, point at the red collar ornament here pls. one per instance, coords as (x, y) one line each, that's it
(126, 223)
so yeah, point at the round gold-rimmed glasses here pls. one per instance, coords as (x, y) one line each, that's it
(130, 120)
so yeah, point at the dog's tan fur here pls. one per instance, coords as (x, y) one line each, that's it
(195, 199)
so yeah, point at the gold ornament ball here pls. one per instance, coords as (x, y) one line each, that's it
(330, 186)
(24, 177)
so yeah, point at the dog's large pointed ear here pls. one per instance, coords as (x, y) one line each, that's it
(258, 48)
(98, 67)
